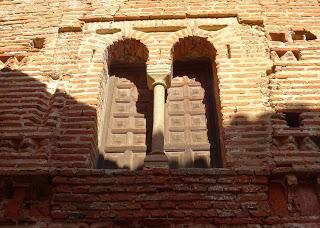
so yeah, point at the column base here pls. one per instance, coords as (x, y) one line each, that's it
(156, 161)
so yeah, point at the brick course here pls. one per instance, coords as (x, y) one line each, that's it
(178, 197)
(54, 58)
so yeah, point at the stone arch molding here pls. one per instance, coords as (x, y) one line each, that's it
(218, 39)
(95, 47)
(100, 44)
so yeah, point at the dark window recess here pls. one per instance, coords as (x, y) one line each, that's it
(198, 74)
(310, 36)
(316, 140)
(281, 53)
(278, 37)
(293, 119)
(298, 36)
(38, 42)
(297, 54)
(303, 35)
(7, 189)
(229, 51)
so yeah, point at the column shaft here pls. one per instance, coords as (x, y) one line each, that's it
(157, 158)
(158, 119)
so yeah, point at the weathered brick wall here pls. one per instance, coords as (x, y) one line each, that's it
(53, 73)
(93, 198)
(182, 197)
(59, 46)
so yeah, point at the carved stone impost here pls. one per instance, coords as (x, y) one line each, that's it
(159, 74)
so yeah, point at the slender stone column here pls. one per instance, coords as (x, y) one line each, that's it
(157, 157)
(158, 119)
(158, 81)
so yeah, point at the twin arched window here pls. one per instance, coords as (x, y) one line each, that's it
(192, 126)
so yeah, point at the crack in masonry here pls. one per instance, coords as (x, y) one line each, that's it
(116, 11)
(119, 8)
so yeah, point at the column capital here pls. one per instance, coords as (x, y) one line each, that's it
(159, 74)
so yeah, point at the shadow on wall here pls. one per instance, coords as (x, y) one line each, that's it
(201, 106)
(286, 138)
(129, 113)
(41, 125)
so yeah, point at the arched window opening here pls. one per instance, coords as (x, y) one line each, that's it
(128, 121)
(193, 137)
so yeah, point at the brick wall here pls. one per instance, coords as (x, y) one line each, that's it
(53, 73)
(265, 68)
(182, 197)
